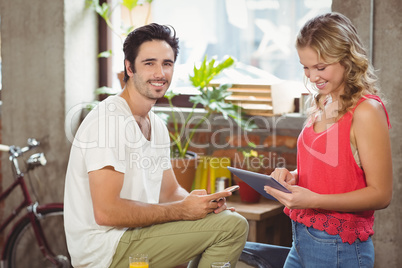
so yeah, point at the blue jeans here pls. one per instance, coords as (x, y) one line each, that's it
(314, 248)
(264, 255)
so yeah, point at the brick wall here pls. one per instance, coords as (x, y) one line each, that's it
(275, 139)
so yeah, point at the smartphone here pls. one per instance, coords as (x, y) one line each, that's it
(230, 189)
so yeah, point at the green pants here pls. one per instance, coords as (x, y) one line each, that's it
(217, 237)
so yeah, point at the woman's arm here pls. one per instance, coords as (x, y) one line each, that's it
(370, 131)
(371, 135)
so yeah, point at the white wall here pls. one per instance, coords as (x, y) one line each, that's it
(49, 65)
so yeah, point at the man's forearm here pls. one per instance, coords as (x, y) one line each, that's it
(128, 213)
(179, 194)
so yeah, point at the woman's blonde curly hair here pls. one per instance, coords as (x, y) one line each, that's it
(335, 39)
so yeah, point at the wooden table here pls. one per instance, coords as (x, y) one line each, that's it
(267, 222)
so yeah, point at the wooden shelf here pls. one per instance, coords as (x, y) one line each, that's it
(266, 208)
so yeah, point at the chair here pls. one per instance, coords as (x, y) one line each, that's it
(264, 255)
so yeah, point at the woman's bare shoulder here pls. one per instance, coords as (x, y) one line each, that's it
(369, 110)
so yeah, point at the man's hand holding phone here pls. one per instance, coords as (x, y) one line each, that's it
(230, 189)
(221, 200)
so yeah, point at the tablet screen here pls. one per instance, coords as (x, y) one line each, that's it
(257, 181)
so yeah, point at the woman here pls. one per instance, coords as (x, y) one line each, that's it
(344, 169)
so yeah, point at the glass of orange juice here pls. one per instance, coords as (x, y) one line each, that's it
(139, 261)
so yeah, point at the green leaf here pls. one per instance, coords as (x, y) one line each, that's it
(208, 70)
(91, 4)
(129, 4)
(126, 29)
(197, 99)
(105, 54)
(170, 94)
(251, 144)
(90, 106)
(103, 11)
(104, 90)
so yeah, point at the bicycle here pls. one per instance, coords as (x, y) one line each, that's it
(42, 225)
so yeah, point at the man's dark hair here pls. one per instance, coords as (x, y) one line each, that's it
(146, 33)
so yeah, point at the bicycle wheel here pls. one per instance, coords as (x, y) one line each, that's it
(23, 250)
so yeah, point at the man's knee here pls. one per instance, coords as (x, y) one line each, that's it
(237, 222)
(241, 225)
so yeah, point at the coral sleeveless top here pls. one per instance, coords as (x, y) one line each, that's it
(326, 165)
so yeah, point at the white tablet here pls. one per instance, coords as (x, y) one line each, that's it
(257, 181)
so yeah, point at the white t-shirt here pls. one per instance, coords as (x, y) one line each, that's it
(110, 136)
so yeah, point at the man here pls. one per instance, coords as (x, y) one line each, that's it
(121, 195)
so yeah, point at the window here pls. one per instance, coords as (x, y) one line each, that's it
(258, 33)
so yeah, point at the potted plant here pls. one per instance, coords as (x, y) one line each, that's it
(213, 101)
